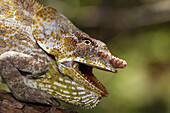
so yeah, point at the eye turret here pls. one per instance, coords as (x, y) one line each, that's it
(87, 41)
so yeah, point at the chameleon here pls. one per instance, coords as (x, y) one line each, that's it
(45, 58)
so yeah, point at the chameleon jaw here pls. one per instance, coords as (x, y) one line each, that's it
(80, 71)
(86, 77)
(86, 72)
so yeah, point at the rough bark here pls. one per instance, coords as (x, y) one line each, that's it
(8, 104)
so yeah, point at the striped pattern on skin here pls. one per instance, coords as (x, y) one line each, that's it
(65, 89)
(53, 55)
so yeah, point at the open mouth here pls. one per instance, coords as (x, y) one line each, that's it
(86, 72)
(86, 77)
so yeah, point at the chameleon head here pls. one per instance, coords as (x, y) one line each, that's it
(76, 54)
(87, 53)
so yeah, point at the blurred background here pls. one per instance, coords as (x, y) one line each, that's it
(137, 31)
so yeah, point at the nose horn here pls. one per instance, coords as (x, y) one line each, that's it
(114, 61)
(117, 63)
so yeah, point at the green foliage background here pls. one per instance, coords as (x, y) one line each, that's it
(141, 87)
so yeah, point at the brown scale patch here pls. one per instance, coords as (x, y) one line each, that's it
(25, 44)
(15, 45)
(2, 43)
(21, 36)
(63, 31)
(44, 59)
(1, 51)
(27, 22)
(18, 18)
(24, 17)
(52, 34)
(8, 31)
(31, 41)
(4, 50)
(3, 28)
(70, 41)
(6, 6)
(9, 45)
(34, 22)
(26, 5)
(20, 48)
(13, 38)
(47, 47)
(6, 40)
(6, 35)
(17, 12)
(36, 67)
(9, 13)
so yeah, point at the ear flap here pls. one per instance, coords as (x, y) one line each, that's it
(49, 26)
(45, 28)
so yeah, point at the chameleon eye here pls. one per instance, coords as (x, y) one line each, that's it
(87, 41)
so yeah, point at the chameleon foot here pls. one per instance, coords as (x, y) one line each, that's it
(12, 76)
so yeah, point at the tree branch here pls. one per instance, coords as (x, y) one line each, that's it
(8, 104)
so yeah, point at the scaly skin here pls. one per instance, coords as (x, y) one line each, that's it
(44, 56)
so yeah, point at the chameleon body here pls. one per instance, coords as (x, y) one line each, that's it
(44, 57)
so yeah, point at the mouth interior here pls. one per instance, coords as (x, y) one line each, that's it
(86, 71)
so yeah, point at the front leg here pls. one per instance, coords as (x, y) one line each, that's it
(11, 64)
